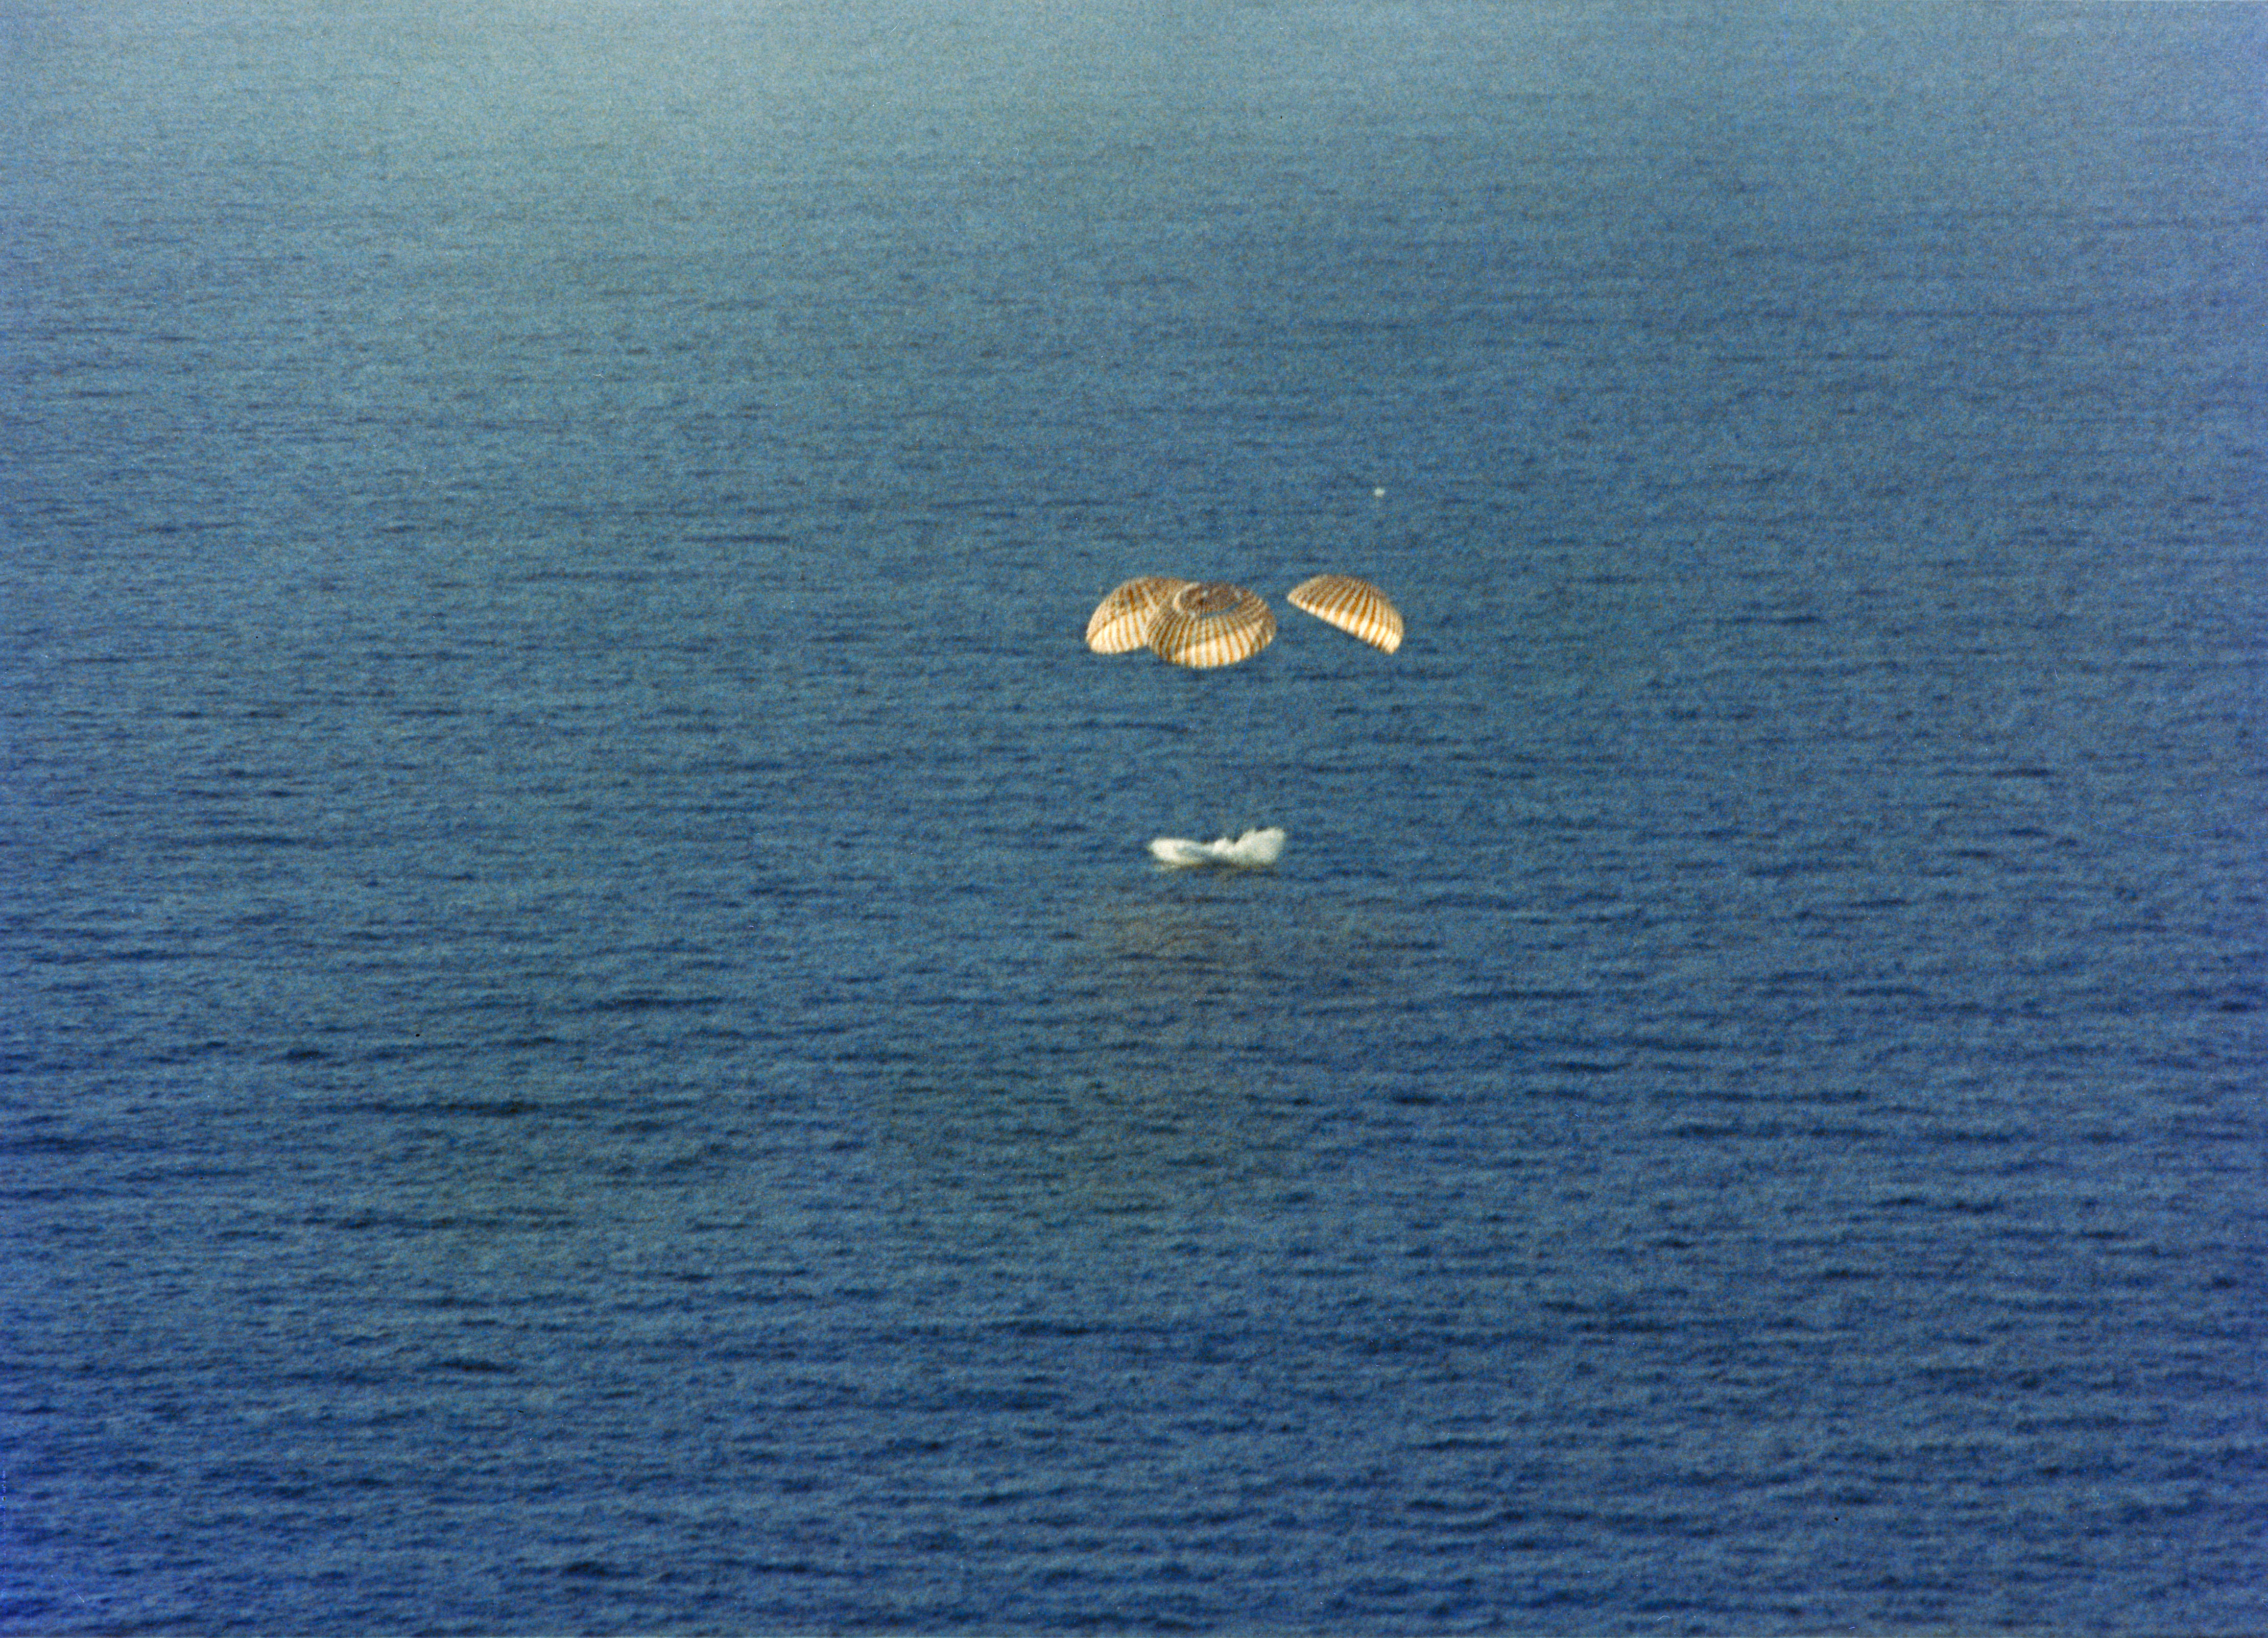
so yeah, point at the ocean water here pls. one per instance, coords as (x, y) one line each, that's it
(590, 1042)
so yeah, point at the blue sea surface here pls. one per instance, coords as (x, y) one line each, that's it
(590, 1043)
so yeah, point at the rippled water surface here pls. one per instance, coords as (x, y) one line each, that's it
(590, 1044)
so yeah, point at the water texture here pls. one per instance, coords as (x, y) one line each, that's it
(590, 1042)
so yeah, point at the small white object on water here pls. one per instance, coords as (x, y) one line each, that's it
(1254, 849)
(1378, 495)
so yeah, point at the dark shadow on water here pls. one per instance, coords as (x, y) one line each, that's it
(1168, 1073)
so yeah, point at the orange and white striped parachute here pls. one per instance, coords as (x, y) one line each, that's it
(1355, 606)
(1121, 621)
(1203, 624)
(1210, 624)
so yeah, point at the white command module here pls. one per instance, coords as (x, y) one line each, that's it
(1253, 848)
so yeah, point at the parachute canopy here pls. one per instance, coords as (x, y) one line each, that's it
(1203, 624)
(1122, 623)
(1211, 624)
(1355, 606)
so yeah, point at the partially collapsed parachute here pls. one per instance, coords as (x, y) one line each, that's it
(1209, 623)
